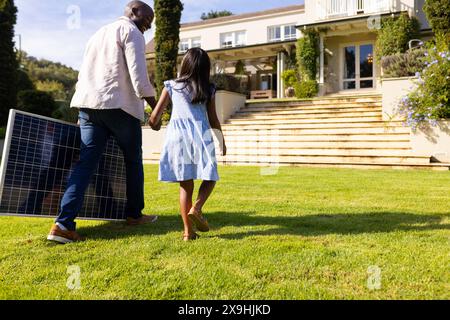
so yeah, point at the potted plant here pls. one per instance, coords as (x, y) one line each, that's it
(290, 79)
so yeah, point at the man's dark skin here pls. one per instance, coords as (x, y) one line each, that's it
(142, 15)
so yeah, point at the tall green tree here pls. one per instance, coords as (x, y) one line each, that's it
(167, 39)
(8, 61)
(215, 14)
(438, 14)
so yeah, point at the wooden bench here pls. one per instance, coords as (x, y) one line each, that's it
(263, 94)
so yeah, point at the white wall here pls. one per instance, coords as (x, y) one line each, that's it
(426, 140)
(393, 90)
(257, 29)
(228, 103)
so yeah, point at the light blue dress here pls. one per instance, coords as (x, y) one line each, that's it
(189, 151)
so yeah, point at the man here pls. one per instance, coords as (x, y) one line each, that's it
(112, 86)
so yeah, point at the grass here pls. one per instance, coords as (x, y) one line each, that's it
(2, 132)
(301, 234)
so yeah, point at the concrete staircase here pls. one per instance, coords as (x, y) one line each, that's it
(333, 131)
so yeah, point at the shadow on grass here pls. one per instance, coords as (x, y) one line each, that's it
(305, 225)
(116, 230)
(325, 224)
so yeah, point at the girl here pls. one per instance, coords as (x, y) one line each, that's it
(188, 152)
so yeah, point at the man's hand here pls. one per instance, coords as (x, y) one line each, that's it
(224, 150)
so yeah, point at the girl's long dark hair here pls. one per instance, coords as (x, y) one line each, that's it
(195, 74)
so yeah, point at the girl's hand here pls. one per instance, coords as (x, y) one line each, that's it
(152, 123)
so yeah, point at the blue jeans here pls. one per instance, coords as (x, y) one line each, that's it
(96, 127)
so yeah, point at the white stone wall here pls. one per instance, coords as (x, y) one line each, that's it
(426, 140)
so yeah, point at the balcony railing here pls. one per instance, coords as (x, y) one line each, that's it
(327, 9)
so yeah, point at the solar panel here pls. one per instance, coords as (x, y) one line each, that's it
(39, 154)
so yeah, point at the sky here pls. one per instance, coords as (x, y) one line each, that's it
(58, 30)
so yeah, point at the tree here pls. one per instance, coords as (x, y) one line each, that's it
(168, 16)
(438, 14)
(394, 35)
(8, 61)
(215, 14)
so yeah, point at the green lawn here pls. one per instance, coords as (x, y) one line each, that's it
(301, 234)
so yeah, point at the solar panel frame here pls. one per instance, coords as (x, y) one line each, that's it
(4, 165)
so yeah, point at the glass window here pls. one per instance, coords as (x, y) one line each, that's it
(366, 61)
(290, 32)
(349, 63)
(226, 40)
(184, 45)
(274, 33)
(366, 84)
(196, 43)
(240, 38)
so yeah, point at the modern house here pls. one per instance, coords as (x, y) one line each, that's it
(264, 43)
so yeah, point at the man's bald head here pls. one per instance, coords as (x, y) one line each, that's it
(141, 14)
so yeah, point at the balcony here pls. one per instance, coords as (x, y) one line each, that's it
(330, 9)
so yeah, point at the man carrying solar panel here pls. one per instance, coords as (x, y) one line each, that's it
(112, 86)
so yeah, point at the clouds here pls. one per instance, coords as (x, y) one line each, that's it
(43, 25)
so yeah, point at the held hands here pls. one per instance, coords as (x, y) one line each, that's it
(155, 125)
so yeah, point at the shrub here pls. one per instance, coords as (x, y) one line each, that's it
(403, 64)
(239, 68)
(55, 88)
(438, 15)
(37, 102)
(2, 132)
(289, 78)
(394, 35)
(65, 112)
(227, 82)
(430, 101)
(306, 89)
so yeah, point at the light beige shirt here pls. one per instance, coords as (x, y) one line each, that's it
(114, 71)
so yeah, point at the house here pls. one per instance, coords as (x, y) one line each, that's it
(264, 43)
(353, 124)
(260, 40)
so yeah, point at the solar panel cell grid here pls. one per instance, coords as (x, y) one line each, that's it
(38, 157)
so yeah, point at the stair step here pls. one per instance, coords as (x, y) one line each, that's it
(264, 135)
(319, 102)
(341, 152)
(326, 164)
(360, 165)
(310, 108)
(307, 115)
(316, 125)
(324, 159)
(377, 118)
(317, 131)
(255, 144)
